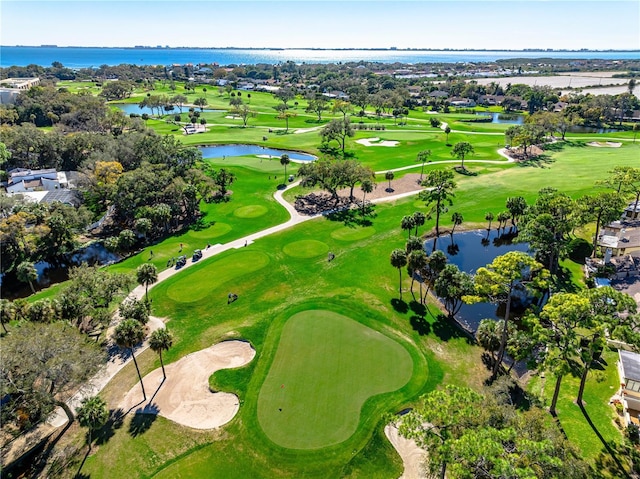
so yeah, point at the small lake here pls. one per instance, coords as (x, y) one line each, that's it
(129, 108)
(470, 253)
(48, 274)
(504, 118)
(221, 151)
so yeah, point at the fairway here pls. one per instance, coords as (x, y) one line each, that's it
(326, 367)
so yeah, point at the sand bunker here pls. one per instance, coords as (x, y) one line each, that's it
(605, 144)
(185, 397)
(412, 456)
(377, 142)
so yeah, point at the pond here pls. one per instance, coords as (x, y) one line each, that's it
(472, 250)
(221, 151)
(49, 274)
(129, 108)
(504, 118)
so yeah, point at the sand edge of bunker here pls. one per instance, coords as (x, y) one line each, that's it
(184, 396)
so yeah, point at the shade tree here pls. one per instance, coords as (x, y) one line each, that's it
(497, 282)
(439, 194)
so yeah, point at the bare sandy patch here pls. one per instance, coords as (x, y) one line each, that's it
(184, 396)
(412, 456)
(377, 142)
(605, 144)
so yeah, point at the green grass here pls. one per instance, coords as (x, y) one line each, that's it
(286, 276)
(325, 368)
(601, 385)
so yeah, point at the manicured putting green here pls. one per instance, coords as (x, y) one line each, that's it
(218, 229)
(305, 249)
(353, 234)
(250, 211)
(326, 366)
(197, 283)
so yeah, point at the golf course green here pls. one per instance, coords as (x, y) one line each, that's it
(326, 366)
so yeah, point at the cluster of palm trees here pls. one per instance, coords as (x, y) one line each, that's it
(129, 333)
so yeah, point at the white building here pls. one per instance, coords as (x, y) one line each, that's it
(10, 88)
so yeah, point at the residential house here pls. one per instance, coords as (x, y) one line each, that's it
(22, 180)
(629, 370)
(462, 102)
(622, 236)
(10, 88)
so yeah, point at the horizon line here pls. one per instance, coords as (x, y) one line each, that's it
(167, 47)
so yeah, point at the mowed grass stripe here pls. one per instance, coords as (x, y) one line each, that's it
(326, 366)
(197, 283)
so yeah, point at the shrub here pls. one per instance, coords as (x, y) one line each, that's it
(579, 249)
(435, 123)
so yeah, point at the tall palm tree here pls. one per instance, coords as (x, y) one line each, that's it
(423, 156)
(284, 161)
(366, 187)
(389, 176)
(92, 414)
(489, 217)
(128, 334)
(27, 273)
(456, 219)
(407, 223)
(399, 260)
(418, 220)
(147, 274)
(416, 261)
(161, 340)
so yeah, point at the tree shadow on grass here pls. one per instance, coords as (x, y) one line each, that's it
(106, 432)
(352, 217)
(420, 325)
(143, 419)
(611, 451)
(400, 306)
(446, 328)
(202, 224)
(539, 161)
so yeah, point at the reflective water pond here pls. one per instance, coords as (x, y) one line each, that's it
(221, 151)
(469, 251)
(129, 108)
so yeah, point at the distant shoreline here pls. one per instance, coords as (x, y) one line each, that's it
(389, 49)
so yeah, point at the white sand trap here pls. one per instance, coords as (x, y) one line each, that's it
(233, 117)
(412, 456)
(185, 397)
(606, 144)
(377, 142)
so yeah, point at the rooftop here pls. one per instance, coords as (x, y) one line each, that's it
(630, 364)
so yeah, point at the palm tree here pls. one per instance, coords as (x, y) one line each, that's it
(92, 414)
(128, 334)
(284, 161)
(161, 340)
(416, 261)
(503, 217)
(27, 273)
(147, 274)
(407, 223)
(456, 219)
(447, 130)
(418, 219)
(489, 217)
(366, 187)
(399, 260)
(389, 176)
(423, 156)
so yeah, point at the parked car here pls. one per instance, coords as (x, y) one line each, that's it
(291, 178)
(197, 254)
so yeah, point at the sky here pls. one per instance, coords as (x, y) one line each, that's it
(455, 24)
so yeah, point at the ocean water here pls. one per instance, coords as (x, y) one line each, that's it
(79, 57)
